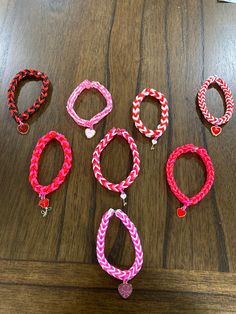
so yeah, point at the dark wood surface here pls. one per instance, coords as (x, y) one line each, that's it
(49, 265)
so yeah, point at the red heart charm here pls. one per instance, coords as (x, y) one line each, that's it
(44, 203)
(125, 290)
(181, 212)
(23, 128)
(216, 130)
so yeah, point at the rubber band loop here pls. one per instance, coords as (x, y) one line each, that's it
(216, 122)
(23, 128)
(154, 134)
(124, 289)
(185, 200)
(119, 187)
(90, 132)
(43, 190)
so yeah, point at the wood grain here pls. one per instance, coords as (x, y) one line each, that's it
(49, 265)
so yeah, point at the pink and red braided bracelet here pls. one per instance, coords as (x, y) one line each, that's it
(89, 131)
(125, 288)
(216, 122)
(43, 191)
(185, 200)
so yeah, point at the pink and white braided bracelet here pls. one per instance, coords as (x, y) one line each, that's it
(181, 212)
(89, 131)
(216, 129)
(119, 187)
(125, 289)
(154, 134)
(34, 165)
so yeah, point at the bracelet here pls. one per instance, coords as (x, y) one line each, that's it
(116, 187)
(181, 212)
(23, 127)
(125, 289)
(216, 129)
(34, 165)
(154, 134)
(89, 131)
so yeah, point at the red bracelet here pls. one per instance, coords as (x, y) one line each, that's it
(216, 129)
(154, 134)
(181, 212)
(23, 127)
(43, 190)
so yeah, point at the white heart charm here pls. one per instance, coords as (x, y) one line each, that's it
(90, 132)
(123, 196)
(154, 142)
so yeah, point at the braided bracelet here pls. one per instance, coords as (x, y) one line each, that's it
(34, 165)
(125, 289)
(181, 212)
(154, 134)
(23, 127)
(216, 129)
(89, 131)
(119, 187)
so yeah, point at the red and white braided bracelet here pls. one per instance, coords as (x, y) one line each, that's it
(216, 129)
(154, 134)
(181, 212)
(89, 131)
(116, 187)
(125, 289)
(43, 191)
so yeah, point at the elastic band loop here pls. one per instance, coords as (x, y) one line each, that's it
(170, 174)
(119, 187)
(78, 90)
(228, 100)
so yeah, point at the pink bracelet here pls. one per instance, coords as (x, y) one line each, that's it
(181, 212)
(154, 134)
(89, 131)
(216, 129)
(34, 165)
(120, 187)
(125, 289)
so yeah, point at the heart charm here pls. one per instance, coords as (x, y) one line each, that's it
(90, 132)
(123, 196)
(44, 203)
(181, 212)
(216, 130)
(154, 141)
(23, 128)
(125, 290)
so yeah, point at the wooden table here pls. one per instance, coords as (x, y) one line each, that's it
(49, 265)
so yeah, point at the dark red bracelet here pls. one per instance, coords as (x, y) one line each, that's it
(23, 127)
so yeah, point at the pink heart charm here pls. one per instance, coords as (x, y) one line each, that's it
(89, 132)
(125, 289)
(216, 130)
